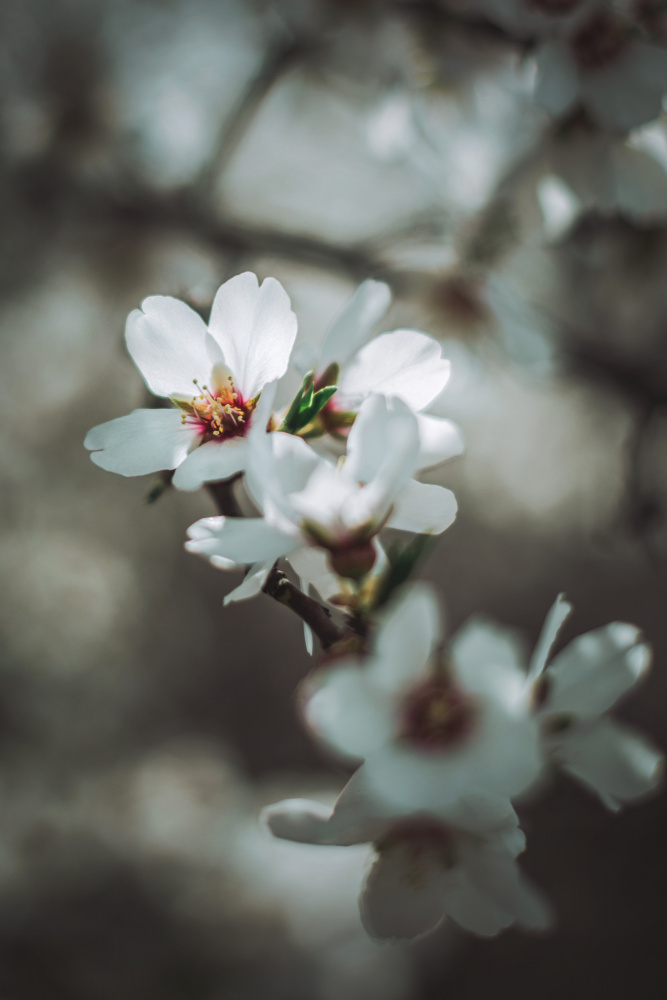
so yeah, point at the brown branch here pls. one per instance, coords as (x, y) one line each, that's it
(315, 615)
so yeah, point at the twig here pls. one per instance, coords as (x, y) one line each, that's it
(314, 614)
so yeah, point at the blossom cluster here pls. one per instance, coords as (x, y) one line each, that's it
(443, 735)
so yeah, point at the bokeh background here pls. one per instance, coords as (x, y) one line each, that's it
(160, 146)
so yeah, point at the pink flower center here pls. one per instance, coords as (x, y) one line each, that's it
(599, 42)
(436, 715)
(219, 413)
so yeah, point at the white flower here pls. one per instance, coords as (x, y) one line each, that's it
(213, 375)
(404, 363)
(619, 79)
(432, 728)
(572, 695)
(424, 869)
(309, 503)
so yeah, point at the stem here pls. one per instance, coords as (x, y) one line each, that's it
(314, 614)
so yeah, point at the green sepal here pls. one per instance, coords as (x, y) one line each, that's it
(307, 403)
(402, 563)
(159, 487)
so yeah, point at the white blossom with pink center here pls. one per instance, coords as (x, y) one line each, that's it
(213, 375)
(604, 67)
(325, 516)
(406, 364)
(424, 869)
(432, 726)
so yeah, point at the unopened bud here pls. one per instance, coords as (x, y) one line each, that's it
(353, 562)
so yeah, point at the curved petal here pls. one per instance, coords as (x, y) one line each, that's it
(256, 328)
(402, 895)
(489, 661)
(312, 566)
(557, 84)
(239, 540)
(404, 363)
(495, 874)
(439, 440)
(347, 713)
(211, 462)
(166, 339)
(384, 436)
(354, 324)
(406, 639)
(556, 618)
(471, 909)
(424, 508)
(596, 669)
(612, 760)
(628, 92)
(143, 441)
(252, 582)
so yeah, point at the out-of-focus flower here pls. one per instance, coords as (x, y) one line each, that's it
(424, 869)
(535, 17)
(404, 363)
(433, 727)
(213, 375)
(617, 77)
(572, 696)
(307, 501)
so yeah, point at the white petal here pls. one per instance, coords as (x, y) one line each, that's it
(439, 440)
(495, 874)
(347, 713)
(470, 908)
(278, 465)
(252, 583)
(558, 614)
(404, 363)
(489, 660)
(255, 327)
(353, 326)
(166, 339)
(612, 760)
(618, 98)
(240, 540)
(143, 441)
(311, 565)
(402, 895)
(211, 462)
(299, 820)
(556, 84)
(423, 508)
(383, 442)
(596, 669)
(406, 639)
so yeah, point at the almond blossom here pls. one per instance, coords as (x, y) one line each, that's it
(618, 78)
(572, 695)
(424, 869)
(213, 375)
(432, 726)
(407, 364)
(308, 502)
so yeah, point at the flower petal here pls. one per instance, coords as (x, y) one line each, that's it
(404, 363)
(558, 614)
(211, 462)
(471, 909)
(556, 85)
(239, 540)
(166, 339)
(439, 440)
(143, 441)
(252, 582)
(406, 639)
(614, 761)
(384, 440)
(255, 327)
(596, 669)
(347, 713)
(424, 508)
(495, 874)
(354, 324)
(489, 660)
(402, 895)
